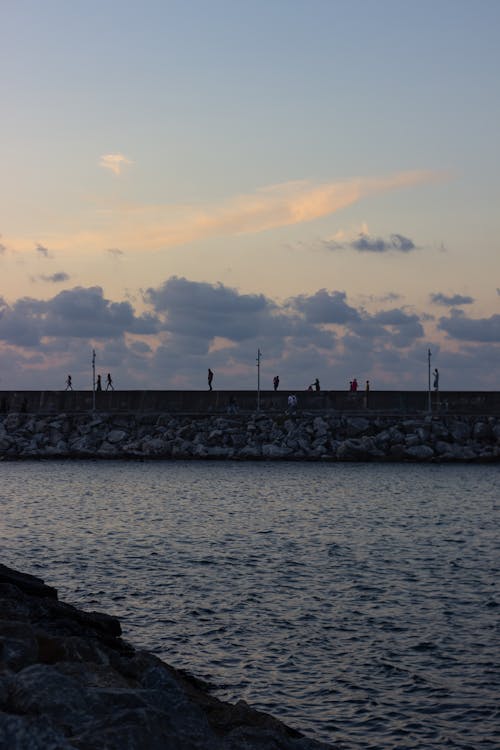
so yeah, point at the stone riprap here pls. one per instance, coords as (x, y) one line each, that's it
(254, 436)
(68, 680)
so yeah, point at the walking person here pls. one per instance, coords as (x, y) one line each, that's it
(210, 379)
(69, 385)
(109, 382)
(276, 382)
(98, 386)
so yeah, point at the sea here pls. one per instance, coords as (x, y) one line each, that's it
(357, 602)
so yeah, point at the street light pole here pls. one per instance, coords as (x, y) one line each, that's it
(429, 398)
(259, 355)
(93, 379)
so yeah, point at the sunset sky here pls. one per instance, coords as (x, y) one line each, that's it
(184, 183)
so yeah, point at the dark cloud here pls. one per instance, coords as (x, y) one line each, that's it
(394, 325)
(56, 278)
(451, 301)
(404, 328)
(43, 251)
(396, 242)
(2, 249)
(459, 326)
(20, 324)
(205, 311)
(85, 312)
(115, 252)
(325, 307)
(75, 313)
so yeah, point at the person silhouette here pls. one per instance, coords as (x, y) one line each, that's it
(69, 385)
(276, 382)
(436, 379)
(109, 382)
(210, 379)
(98, 386)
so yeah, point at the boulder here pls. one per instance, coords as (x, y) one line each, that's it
(116, 436)
(420, 452)
(482, 431)
(356, 426)
(70, 682)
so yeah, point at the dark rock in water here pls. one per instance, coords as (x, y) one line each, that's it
(27, 583)
(68, 681)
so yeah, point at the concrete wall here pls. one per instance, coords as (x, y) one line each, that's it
(214, 402)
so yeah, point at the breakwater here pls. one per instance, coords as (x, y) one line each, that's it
(304, 436)
(217, 402)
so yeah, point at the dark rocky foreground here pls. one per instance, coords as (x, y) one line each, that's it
(260, 435)
(68, 680)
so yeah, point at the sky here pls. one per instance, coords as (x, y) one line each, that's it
(187, 183)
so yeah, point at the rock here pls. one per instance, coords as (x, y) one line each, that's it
(412, 439)
(270, 450)
(116, 436)
(320, 427)
(352, 449)
(154, 446)
(250, 451)
(356, 426)
(420, 452)
(441, 447)
(460, 432)
(70, 683)
(106, 449)
(482, 431)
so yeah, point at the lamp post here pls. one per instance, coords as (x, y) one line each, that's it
(259, 355)
(429, 398)
(93, 379)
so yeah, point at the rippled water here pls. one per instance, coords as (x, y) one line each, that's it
(355, 601)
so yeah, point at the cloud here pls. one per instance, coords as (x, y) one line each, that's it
(459, 326)
(160, 227)
(404, 328)
(325, 307)
(450, 301)
(115, 252)
(56, 278)
(2, 249)
(208, 311)
(114, 162)
(43, 251)
(389, 297)
(396, 242)
(74, 313)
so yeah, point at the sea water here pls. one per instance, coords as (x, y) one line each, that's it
(357, 602)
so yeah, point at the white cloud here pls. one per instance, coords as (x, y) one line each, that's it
(114, 162)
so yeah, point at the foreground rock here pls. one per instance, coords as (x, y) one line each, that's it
(67, 680)
(251, 436)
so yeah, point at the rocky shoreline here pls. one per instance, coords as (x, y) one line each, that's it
(304, 437)
(68, 681)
